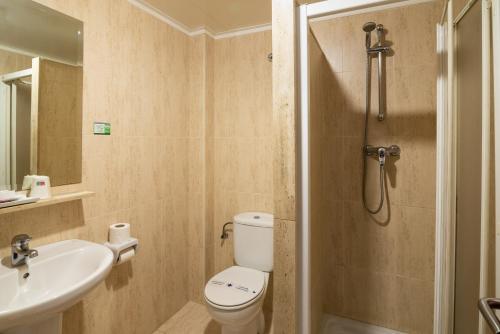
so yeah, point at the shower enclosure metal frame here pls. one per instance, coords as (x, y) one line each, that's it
(447, 157)
(495, 24)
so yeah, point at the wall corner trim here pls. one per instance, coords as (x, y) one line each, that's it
(164, 17)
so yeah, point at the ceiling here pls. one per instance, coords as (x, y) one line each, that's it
(216, 16)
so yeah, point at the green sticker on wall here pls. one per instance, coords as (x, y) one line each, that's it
(102, 128)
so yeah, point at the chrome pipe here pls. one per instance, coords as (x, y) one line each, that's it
(225, 234)
(381, 87)
(381, 72)
(486, 306)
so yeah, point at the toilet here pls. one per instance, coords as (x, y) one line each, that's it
(234, 297)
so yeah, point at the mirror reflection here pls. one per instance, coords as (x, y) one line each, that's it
(41, 78)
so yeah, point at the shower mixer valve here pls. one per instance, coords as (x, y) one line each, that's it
(382, 152)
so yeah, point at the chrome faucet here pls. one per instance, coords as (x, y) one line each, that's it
(21, 250)
(382, 152)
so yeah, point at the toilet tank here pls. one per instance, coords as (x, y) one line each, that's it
(253, 240)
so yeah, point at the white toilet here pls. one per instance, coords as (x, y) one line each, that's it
(234, 297)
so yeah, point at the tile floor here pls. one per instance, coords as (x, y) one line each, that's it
(193, 318)
(337, 325)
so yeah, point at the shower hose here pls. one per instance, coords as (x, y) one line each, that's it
(365, 144)
(382, 183)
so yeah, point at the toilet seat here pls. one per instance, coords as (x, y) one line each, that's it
(235, 287)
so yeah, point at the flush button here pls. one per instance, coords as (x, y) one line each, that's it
(256, 217)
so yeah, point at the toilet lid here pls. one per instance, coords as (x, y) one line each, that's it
(235, 286)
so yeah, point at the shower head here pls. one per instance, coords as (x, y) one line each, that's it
(368, 27)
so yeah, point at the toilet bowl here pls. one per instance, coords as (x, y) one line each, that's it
(234, 297)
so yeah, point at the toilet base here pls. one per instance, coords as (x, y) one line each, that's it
(255, 326)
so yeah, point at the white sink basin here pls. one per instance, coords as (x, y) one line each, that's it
(59, 277)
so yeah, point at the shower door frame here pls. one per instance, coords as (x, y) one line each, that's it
(495, 25)
(446, 159)
(447, 162)
(10, 106)
(5, 180)
(333, 8)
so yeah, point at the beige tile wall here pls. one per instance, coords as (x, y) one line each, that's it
(236, 99)
(12, 62)
(378, 269)
(238, 152)
(242, 135)
(138, 75)
(210, 232)
(458, 6)
(238, 149)
(284, 163)
(320, 90)
(284, 113)
(197, 205)
(59, 122)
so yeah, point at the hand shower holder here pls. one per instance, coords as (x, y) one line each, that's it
(378, 49)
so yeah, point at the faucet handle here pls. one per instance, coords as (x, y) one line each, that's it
(394, 150)
(21, 241)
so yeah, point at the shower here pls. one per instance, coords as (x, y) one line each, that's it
(379, 50)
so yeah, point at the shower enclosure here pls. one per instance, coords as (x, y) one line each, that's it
(368, 148)
(403, 242)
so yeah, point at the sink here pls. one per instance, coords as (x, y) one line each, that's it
(36, 294)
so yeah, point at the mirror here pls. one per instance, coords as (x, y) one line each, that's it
(41, 82)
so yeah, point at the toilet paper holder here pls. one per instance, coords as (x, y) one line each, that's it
(120, 248)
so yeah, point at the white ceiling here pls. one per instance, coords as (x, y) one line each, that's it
(216, 16)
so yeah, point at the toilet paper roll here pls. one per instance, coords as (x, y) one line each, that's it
(125, 256)
(119, 233)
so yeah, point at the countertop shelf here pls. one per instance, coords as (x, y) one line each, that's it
(56, 199)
